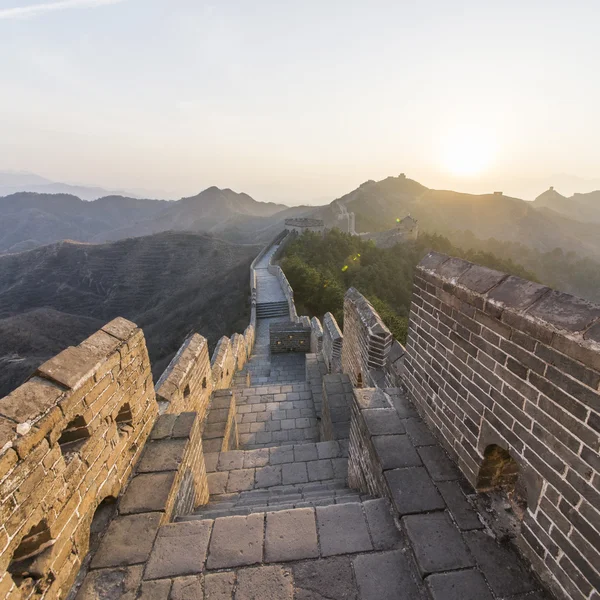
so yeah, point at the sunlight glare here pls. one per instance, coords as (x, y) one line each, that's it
(467, 152)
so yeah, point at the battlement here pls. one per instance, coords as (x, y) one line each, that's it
(69, 439)
(507, 373)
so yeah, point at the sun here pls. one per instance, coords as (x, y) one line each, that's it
(467, 152)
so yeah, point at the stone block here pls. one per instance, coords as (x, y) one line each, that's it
(234, 459)
(240, 480)
(328, 450)
(72, 366)
(268, 476)
(371, 398)
(413, 491)
(500, 565)
(437, 543)
(517, 293)
(219, 586)
(305, 452)
(418, 432)
(459, 585)
(184, 424)
(294, 473)
(186, 588)
(342, 529)
(383, 421)
(30, 401)
(217, 482)
(256, 458)
(164, 455)
(384, 532)
(111, 584)
(163, 427)
(481, 279)
(330, 578)
(291, 535)
(384, 576)
(264, 583)
(180, 549)
(210, 461)
(465, 516)
(319, 470)
(155, 590)
(120, 328)
(566, 312)
(147, 493)
(128, 541)
(436, 461)
(395, 451)
(282, 454)
(236, 541)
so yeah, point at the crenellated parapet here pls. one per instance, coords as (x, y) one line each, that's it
(367, 342)
(187, 383)
(69, 439)
(507, 373)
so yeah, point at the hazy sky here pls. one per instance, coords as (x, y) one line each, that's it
(301, 101)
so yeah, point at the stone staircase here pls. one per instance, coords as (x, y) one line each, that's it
(268, 310)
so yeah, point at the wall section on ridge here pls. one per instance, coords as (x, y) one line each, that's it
(69, 438)
(497, 362)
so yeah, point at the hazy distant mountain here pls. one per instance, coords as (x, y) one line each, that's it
(212, 210)
(581, 207)
(169, 284)
(13, 183)
(28, 220)
(378, 204)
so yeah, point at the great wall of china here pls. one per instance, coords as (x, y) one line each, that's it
(308, 461)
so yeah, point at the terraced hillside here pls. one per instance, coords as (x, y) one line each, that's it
(169, 284)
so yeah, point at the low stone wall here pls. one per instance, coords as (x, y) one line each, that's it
(69, 439)
(496, 365)
(223, 364)
(187, 383)
(316, 336)
(170, 481)
(332, 343)
(289, 337)
(367, 343)
(336, 408)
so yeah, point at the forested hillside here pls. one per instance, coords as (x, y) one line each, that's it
(321, 269)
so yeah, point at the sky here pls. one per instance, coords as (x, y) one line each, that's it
(300, 102)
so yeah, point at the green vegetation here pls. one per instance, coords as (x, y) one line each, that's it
(321, 269)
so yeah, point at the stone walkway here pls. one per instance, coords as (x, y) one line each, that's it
(282, 523)
(267, 288)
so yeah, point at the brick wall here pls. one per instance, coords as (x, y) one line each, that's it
(187, 383)
(223, 364)
(69, 438)
(496, 361)
(333, 341)
(367, 343)
(289, 337)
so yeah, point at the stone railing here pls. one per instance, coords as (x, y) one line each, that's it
(507, 373)
(69, 439)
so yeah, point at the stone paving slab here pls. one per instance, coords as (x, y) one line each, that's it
(342, 529)
(128, 541)
(459, 585)
(437, 543)
(413, 491)
(385, 576)
(291, 535)
(236, 541)
(180, 549)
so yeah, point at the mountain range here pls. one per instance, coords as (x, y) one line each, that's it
(169, 284)
(29, 220)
